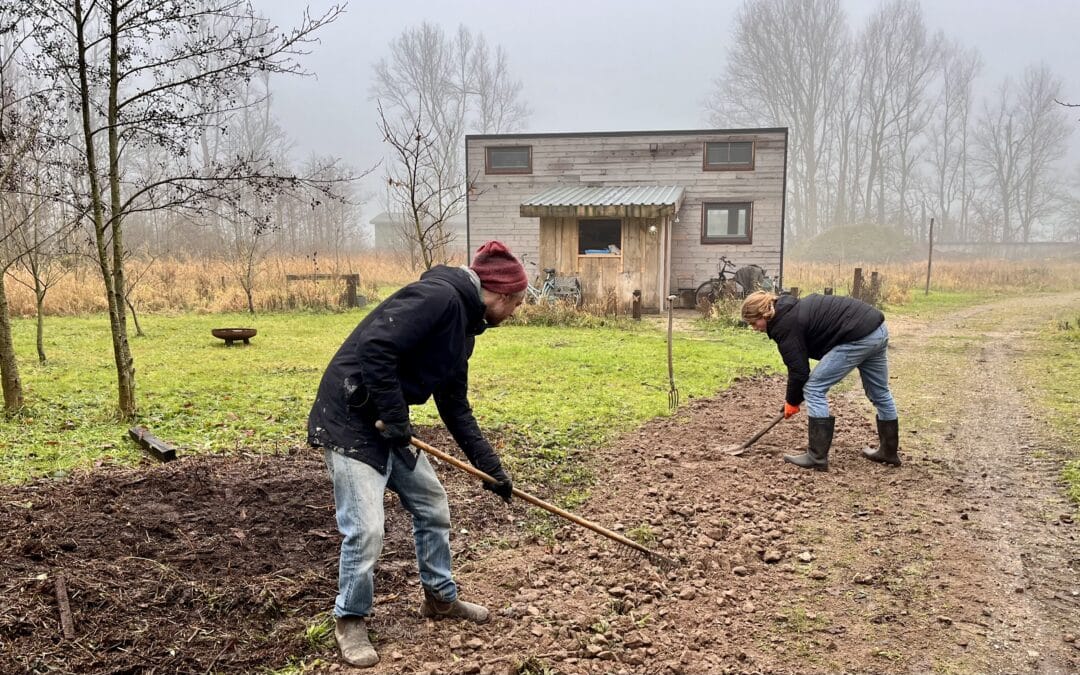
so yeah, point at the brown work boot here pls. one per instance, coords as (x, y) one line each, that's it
(352, 640)
(433, 608)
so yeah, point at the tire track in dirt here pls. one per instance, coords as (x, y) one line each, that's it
(1008, 468)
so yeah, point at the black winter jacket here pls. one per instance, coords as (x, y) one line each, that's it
(415, 344)
(809, 328)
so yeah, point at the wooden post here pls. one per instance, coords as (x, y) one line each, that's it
(828, 290)
(857, 284)
(874, 296)
(930, 258)
(350, 290)
(637, 305)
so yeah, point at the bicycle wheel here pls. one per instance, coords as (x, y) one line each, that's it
(705, 295)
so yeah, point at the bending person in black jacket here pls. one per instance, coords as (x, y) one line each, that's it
(842, 334)
(415, 344)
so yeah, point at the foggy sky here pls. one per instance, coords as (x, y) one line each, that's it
(607, 65)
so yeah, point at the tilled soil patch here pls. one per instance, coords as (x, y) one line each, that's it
(220, 564)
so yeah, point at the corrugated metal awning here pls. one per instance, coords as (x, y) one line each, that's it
(610, 201)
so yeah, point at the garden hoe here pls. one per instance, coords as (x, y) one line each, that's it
(737, 450)
(652, 556)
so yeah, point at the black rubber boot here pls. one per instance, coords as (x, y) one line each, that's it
(817, 455)
(887, 452)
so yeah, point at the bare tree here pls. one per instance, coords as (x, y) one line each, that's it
(441, 86)
(147, 92)
(1046, 133)
(951, 182)
(1020, 136)
(783, 69)
(420, 188)
(22, 139)
(898, 60)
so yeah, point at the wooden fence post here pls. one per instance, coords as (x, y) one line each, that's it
(930, 258)
(857, 284)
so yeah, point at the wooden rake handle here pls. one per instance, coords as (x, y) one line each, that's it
(536, 501)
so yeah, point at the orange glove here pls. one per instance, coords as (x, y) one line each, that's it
(790, 410)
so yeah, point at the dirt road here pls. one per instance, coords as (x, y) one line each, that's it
(963, 560)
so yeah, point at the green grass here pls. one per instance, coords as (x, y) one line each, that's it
(546, 392)
(936, 303)
(1054, 366)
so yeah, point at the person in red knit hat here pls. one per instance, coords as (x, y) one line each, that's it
(415, 345)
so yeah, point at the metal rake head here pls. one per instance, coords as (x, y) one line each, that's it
(637, 551)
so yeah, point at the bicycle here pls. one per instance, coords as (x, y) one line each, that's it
(741, 283)
(720, 287)
(553, 289)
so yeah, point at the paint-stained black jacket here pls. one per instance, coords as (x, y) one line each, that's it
(809, 328)
(415, 344)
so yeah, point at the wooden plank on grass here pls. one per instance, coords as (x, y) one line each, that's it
(157, 448)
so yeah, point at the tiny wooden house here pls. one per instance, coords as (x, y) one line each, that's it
(631, 211)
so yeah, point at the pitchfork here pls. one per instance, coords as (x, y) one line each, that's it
(673, 393)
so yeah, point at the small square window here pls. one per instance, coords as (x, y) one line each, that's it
(726, 223)
(729, 156)
(600, 237)
(509, 159)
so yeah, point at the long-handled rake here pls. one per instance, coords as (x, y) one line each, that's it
(652, 556)
(673, 393)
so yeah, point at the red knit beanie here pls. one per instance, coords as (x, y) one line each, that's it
(498, 269)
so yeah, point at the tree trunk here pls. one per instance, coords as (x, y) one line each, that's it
(112, 277)
(134, 317)
(9, 367)
(39, 301)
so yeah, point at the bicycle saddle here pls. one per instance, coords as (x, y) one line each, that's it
(549, 270)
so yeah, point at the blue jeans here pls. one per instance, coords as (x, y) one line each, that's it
(358, 497)
(866, 354)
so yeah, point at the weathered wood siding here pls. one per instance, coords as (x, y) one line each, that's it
(638, 268)
(665, 158)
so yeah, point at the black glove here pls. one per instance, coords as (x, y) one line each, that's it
(502, 486)
(397, 434)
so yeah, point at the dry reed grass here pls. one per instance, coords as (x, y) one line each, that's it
(211, 286)
(900, 280)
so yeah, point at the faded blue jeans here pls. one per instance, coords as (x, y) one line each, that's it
(358, 497)
(866, 354)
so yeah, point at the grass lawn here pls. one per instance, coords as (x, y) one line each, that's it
(546, 391)
(1054, 366)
